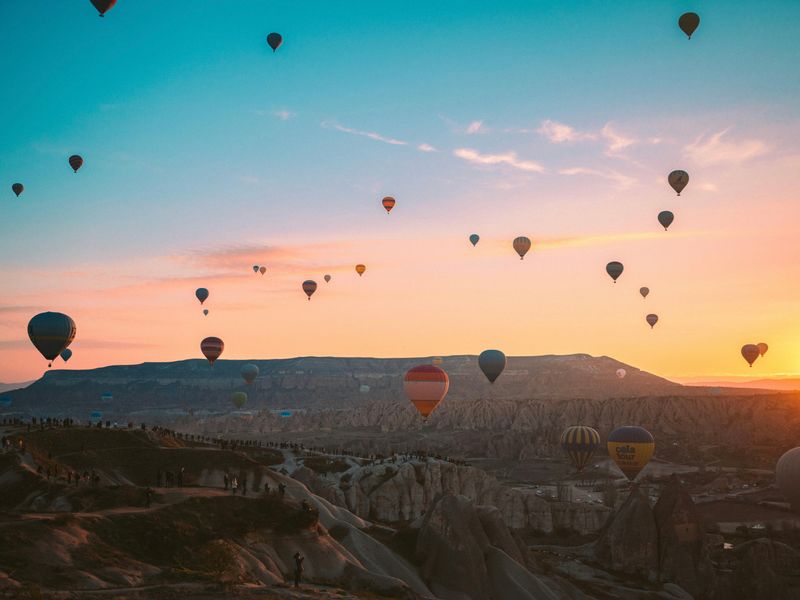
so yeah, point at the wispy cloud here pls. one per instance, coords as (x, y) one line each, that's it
(623, 181)
(509, 158)
(426, 148)
(367, 134)
(476, 127)
(559, 133)
(616, 141)
(714, 149)
(281, 113)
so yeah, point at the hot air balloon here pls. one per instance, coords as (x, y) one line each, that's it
(521, 246)
(239, 399)
(474, 239)
(309, 287)
(750, 352)
(17, 188)
(621, 373)
(614, 269)
(274, 40)
(787, 476)
(364, 389)
(212, 347)
(76, 162)
(688, 22)
(107, 397)
(360, 269)
(66, 354)
(327, 278)
(262, 270)
(51, 332)
(665, 217)
(249, 373)
(255, 268)
(96, 416)
(437, 360)
(103, 6)
(388, 203)
(492, 363)
(678, 180)
(426, 386)
(205, 311)
(202, 294)
(644, 291)
(631, 448)
(580, 443)
(762, 348)
(651, 320)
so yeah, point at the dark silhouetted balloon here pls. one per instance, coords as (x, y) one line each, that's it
(787, 476)
(474, 239)
(309, 287)
(17, 188)
(360, 269)
(631, 448)
(678, 180)
(688, 22)
(66, 354)
(665, 217)
(205, 311)
(614, 269)
(327, 278)
(202, 294)
(644, 291)
(76, 162)
(249, 373)
(255, 268)
(580, 443)
(521, 246)
(388, 203)
(103, 6)
(651, 320)
(762, 348)
(212, 348)
(274, 40)
(239, 399)
(750, 352)
(51, 332)
(426, 386)
(492, 363)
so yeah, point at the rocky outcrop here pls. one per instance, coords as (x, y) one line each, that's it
(467, 553)
(683, 550)
(630, 541)
(765, 570)
(402, 492)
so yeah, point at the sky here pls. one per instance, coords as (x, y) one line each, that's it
(207, 153)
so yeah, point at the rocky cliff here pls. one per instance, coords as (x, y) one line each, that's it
(405, 491)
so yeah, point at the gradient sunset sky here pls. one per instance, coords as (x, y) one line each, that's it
(206, 154)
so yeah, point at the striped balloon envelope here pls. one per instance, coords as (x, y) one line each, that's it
(580, 443)
(426, 386)
(631, 448)
(212, 347)
(388, 203)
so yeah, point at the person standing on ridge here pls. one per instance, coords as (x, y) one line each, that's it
(298, 568)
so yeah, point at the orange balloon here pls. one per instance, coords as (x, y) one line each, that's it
(360, 269)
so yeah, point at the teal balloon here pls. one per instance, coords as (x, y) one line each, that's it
(474, 239)
(51, 332)
(665, 217)
(66, 354)
(492, 363)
